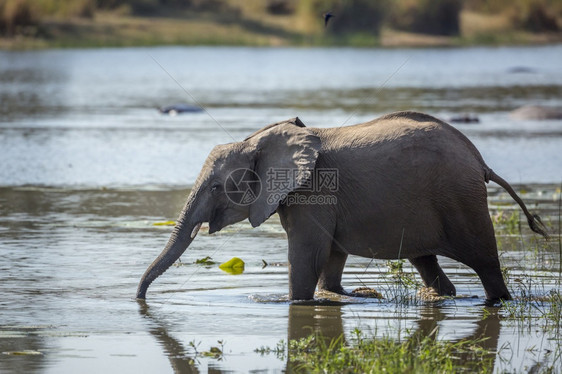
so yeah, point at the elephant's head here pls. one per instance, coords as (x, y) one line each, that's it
(236, 183)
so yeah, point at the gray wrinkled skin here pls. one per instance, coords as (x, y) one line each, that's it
(409, 186)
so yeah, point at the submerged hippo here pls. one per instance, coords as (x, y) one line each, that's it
(180, 108)
(464, 118)
(536, 112)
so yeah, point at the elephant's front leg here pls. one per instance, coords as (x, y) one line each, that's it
(309, 250)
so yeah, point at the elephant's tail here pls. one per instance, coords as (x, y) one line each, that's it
(534, 220)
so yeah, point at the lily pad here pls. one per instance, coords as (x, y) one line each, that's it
(233, 266)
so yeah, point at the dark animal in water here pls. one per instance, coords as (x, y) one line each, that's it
(464, 118)
(180, 108)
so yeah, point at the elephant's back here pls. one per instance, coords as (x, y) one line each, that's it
(405, 142)
(419, 135)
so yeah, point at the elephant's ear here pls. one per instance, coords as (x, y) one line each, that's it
(285, 155)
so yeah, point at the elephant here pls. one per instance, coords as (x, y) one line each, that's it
(406, 185)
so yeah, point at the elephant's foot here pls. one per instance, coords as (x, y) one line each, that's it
(367, 292)
(433, 276)
(431, 294)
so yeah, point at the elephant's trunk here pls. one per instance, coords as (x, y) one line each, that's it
(185, 231)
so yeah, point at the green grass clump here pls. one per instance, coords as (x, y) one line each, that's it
(407, 279)
(416, 354)
(527, 310)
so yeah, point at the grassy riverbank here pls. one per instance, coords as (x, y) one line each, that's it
(86, 23)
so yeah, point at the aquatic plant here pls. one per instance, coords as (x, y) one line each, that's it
(213, 352)
(406, 279)
(233, 266)
(279, 350)
(403, 284)
(164, 223)
(529, 309)
(206, 261)
(366, 354)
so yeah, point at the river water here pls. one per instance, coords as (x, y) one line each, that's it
(88, 166)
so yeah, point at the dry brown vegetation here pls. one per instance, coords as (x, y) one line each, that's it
(60, 23)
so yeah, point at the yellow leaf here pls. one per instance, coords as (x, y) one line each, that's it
(165, 223)
(233, 266)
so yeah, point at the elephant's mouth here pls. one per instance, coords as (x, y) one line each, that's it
(214, 227)
(195, 230)
(215, 222)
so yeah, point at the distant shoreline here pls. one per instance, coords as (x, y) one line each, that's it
(113, 30)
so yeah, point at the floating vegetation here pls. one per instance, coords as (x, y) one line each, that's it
(164, 223)
(367, 292)
(233, 266)
(214, 352)
(23, 353)
(206, 261)
(278, 351)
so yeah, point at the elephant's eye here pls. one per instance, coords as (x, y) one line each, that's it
(215, 187)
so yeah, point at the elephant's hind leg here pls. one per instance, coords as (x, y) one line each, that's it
(487, 267)
(330, 278)
(433, 276)
(475, 246)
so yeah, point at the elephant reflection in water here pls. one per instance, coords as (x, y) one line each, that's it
(326, 320)
(315, 318)
(179, 357)
(488, 328)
